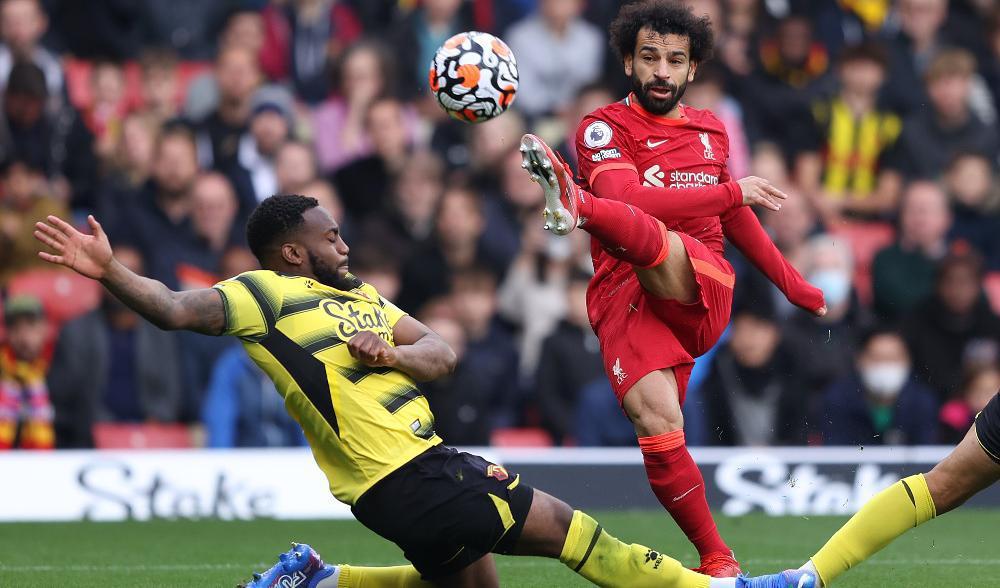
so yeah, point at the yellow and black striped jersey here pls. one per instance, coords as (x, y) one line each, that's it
(361, 422)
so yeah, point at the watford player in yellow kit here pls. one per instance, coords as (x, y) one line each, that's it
(346, 362)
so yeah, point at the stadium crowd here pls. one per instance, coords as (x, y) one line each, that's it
(170, 120)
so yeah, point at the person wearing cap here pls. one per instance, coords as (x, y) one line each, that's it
(25, 410)
(271, 124)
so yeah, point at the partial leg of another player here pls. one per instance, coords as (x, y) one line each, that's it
(913, 501)
(664, 270)
(552, 529)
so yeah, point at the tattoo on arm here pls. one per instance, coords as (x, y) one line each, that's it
(197, 310)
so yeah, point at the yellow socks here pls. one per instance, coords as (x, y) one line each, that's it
(387, 577)
(887, 515)
(606, 561)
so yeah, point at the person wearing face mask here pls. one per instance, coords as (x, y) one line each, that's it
(825, 346)
(880, 402)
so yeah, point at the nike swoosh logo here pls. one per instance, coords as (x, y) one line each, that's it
(655, 144)
(676, 498)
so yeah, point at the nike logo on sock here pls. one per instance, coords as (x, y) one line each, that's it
(676, 498)
(654, 144)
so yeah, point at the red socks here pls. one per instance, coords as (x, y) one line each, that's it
(625, 232)
(677, 483)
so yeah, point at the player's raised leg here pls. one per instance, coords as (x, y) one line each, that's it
(971, 467)
(665, 271)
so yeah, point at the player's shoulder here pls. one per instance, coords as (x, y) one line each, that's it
(704, 118)
(597, 128)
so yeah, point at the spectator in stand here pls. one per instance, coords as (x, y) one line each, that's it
(409, 223)
(22, 25)
(979, 386)
(366, 183)
(301, 39)
(160, 89)
(52, 137)
(326, 194)
(947, 327)
(490, 352)
(570, 360)
(824, 347)
(112, 365)
(558, 52)
(459, 400)
(457, 246)
(509, 213)
(879, 402)
(24, 201)
(295, 167)
(754, 394)
(238, 77)
(850, 167)
(778, 93)
(708, 91)
(25, 409)
(378, 268)
(490, 146)
(271, 124)
(902, 273)
(974, 198)
(920, 37)
(189, 26)
(933, 136)
(363, 75)
(532, 296)
(418, 37)
(108, 107)
(156, 219)
(129, 167)
(214, 209)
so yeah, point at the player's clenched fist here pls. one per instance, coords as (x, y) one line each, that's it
(371, 350)
(760, 191)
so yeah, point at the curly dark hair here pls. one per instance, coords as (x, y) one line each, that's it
(665, 17)
(275, 217)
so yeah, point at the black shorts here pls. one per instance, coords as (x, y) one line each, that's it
(446, 509)
(988, 428)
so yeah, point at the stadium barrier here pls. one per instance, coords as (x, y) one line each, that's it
(286, 484)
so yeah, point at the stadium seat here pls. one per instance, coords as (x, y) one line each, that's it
(866, 239)
(525, 437)
(992, 286)
(65, 294)
(142, 436)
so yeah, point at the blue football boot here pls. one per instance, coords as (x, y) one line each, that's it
(300, 567)
(786, 579)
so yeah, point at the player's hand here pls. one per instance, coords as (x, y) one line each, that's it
(88, 255)
(760, 191)
(371, 350)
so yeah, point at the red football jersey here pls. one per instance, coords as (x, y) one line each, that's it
(687, 152)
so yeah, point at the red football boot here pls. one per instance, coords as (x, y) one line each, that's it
(562, 195)
(720, 564)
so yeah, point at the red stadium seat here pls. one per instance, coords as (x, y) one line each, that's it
(526, 437)
(992, 286)
(866, 239)
(142, 436)
(65, 294)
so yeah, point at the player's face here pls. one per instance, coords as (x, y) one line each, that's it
(660, 69)
(326, 250)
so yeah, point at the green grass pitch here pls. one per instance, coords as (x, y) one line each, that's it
(957, 550)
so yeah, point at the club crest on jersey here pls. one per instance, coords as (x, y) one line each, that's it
(618, 372)
(708, 146)
(597, 134)
(498, 472)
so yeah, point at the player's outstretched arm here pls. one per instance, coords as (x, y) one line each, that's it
(419, 352)
(90, 255)
(744, 231)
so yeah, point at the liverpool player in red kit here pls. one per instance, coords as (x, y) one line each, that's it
(657, 201)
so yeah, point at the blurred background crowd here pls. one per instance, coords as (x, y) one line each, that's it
(170, 119)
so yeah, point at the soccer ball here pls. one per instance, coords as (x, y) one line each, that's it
(474, 76)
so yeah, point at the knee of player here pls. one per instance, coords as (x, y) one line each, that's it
(657, 421)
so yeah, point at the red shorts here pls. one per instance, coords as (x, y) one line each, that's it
(640, 334)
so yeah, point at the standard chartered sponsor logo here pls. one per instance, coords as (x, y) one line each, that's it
(655, 177)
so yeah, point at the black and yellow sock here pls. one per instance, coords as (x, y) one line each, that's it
(889, 514)
(597, 556)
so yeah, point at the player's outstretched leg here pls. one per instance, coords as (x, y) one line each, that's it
(626, 233)
(971, 467)
(299, 566)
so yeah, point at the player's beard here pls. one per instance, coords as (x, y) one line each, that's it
(331, 277)
(654, 105)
